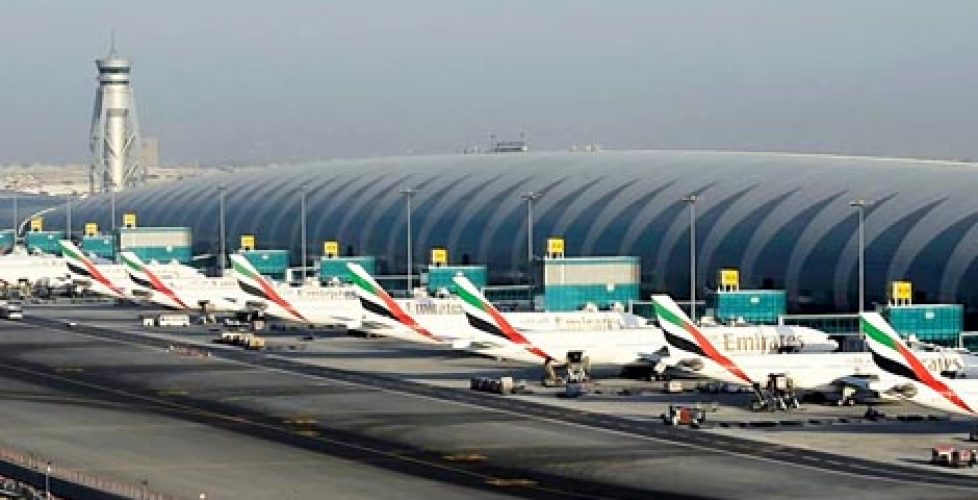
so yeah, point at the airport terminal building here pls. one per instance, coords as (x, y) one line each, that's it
(784, 220)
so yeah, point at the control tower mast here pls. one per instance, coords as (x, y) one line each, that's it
(115, 130)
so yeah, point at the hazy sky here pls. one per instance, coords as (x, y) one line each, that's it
(286, 80)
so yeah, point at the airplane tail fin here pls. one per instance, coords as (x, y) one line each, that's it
(374, 299)
(253, 283)
(682, 335)
(136, 269)
(81, 265)
(889, 350)
(143, 276)
(77, 262)
(893, 355)
(483, 316)
(249, 279)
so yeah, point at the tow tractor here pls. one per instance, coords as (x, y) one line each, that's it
(578, 378)
(778, 394)
(949, 456)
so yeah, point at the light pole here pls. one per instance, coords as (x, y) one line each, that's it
(222, 261)
(691, 200)
(861, 205)
(14, 199)
(408, 194)
(112, 205)
(530, 197)
(47, 481)
(302, 216)
(68, 217)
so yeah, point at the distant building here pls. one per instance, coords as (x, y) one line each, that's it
(519, 146)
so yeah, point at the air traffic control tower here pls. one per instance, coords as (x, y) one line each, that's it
(115, 130)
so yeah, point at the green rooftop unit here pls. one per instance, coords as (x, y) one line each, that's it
(441, 277)
(6, 241)
(937, 323)
(44, 242)
(271, 263)
(335, 267)
(102, 246)
(758, 307)
(160, 244)
(571, 283)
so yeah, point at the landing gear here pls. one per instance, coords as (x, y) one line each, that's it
(873, 414)
(847, 396)
(207, 312)
(577, 370)
(973, 435)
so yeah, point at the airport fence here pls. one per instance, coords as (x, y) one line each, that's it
(71, 481)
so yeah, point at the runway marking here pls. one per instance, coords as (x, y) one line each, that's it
(171, 392)
(505, 483)
(299, 420)
(347, 377)
(465, 457)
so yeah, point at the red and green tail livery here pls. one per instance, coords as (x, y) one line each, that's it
(82, 266)
(892, 355)
(683, 335)
(375, 300)
(144, 277)
(486, 318)
(253, 283)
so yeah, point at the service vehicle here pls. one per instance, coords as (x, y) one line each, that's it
(182, 320)
(13, 311)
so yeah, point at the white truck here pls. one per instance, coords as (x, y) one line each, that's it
(13, 311)
(182, 320)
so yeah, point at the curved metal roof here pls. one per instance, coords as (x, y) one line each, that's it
(783, 219)
(28, 205)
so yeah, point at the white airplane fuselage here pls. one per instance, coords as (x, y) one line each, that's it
(922, 395)
(316, 305)
(196, 293)
(602, 347)
(119, 285)
(820, 372)
(33, 269)
(609, 335)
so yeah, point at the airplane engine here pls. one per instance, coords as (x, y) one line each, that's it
(256, 306)
(904, 390)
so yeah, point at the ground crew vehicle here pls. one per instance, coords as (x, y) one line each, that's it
(12, 311)
(173, 320)
(684, 415)
(949, 456)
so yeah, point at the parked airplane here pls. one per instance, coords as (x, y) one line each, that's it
(827, 373)
(916, 383)
(109, 280)
(16, 269)
(307, 304)
(181, 290)
(552, 348)
(443, 320)
(391, 318)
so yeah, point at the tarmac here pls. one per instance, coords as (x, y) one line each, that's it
(255, 427)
